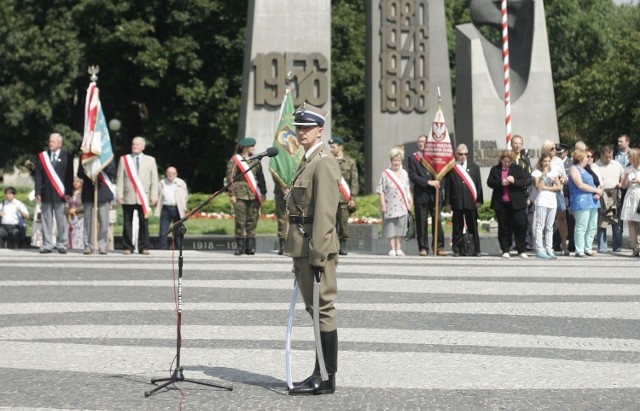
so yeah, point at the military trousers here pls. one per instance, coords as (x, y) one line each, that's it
(342, 221)
(281, 214)
(246, 215)
(328, 289)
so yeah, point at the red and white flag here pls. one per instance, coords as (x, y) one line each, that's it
(438, 156)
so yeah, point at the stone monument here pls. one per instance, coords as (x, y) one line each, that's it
(407, 60)
(480, 112)
(284, 40)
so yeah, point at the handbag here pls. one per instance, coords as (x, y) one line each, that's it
(465, 245)
(411, 228)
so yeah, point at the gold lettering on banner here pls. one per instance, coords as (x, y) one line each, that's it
(404, 56)
(308, 78)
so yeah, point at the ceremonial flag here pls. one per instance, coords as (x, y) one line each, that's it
(284, 165)
(96, 144)
(438, 153)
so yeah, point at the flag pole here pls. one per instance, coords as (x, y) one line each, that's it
(505, 63)
(93, 71)
(436, 210)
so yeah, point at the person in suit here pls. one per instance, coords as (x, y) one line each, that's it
(463, 194)
(509, 201)
(54, 187)
(424, 199)
(137, 190)
(105, 197)
(312, 239)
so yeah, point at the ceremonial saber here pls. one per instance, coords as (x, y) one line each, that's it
(316, 327)
(287, 345)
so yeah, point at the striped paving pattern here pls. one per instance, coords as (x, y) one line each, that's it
(89, 332)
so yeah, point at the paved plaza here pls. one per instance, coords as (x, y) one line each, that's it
(89, 332)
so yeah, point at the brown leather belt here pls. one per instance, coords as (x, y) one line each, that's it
(295, 219)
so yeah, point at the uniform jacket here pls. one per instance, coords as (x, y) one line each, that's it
(349, 172)
(181, 194)
(104, 192)
(64, 169)
(457, 195)
(148, 175)
(315, 190)
(517, 190)
(423, 193)
(240, 188)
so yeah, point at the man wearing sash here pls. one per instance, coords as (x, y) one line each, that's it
(106, 192)
(463, 193)
(312, 242)
(348, 190)
(137, 190)
(54, 187)
(424, 198)
(247, 195)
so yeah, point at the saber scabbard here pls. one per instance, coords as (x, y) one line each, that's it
(287, 347)
(316, 327)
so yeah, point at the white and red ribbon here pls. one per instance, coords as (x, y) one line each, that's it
(344, 189)
(51, 173)
(467, 179)
(107, 181)
(132, 173)
(248, 176)
(391, 176)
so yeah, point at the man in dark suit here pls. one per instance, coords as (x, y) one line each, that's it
(424, 198)
(463, 193)
(54, 187)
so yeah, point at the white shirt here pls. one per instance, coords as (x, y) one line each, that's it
(312, 149)
(546, 198)
(611, 173)
(169, 193)
(10, 211)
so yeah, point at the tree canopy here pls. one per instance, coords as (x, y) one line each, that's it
(171, 71)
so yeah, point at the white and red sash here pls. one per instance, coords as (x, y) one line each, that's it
(107, 182)
(468, 181)
(132, 173)
(344, 189)
(51, 174)
(418, 156)
(391, 176)
(248, 176)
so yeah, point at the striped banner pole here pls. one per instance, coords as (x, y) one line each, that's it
(505, 60)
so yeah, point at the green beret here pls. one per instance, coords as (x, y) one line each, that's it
(247, 142)
(337, 140)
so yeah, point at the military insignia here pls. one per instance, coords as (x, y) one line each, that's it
(287, 140)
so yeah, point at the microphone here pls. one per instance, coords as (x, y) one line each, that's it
(270, 152)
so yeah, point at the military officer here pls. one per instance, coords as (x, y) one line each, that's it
(247, 195)
(312, 241)
(348, 190)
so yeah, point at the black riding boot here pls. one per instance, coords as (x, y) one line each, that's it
(314, 384)
(281, 249)
(251, 246)
(239, 246)
(343, 247)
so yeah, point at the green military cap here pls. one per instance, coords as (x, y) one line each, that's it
(337, 140)
(247, 142)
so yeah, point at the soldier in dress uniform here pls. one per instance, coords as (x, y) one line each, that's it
(247, 195)
(349, 188)
(312, 241)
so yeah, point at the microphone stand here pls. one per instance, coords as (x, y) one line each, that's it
(179, 230)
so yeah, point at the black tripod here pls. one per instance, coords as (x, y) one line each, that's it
(178, 233)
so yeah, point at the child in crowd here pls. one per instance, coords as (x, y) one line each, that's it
(547, 183)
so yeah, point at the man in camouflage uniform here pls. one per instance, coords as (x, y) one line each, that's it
(313, 242)
(346, 206)
(247, 195)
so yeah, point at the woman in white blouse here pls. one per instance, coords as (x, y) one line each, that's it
(629, 213)
(395, 201)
